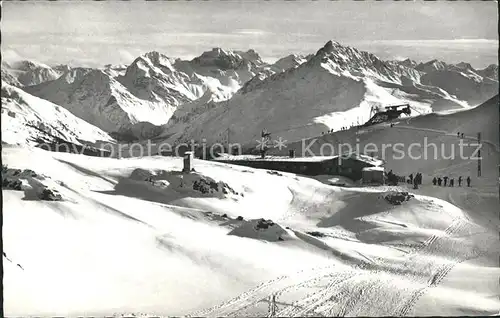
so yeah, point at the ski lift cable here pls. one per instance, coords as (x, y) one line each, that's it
(415, 109)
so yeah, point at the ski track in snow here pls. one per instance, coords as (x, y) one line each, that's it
(347, 291)
(251, 297)
(457, 227)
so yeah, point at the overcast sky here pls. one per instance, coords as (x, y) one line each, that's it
(96, 33)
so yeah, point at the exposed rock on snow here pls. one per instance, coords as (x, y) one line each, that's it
(204, 186)
(33, 184)
(47, 194)
(261, 229)
(12, 184)
(316, 234)
(15, 179)
(275, 173)
(396, 198)
(192, 182)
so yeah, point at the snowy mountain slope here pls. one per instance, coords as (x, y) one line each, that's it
(346, 293)
(7, 77)
(213, 77)
(149, 90)
(461, 80)
(490, 71)
(336, 87)
(27, 73)
(152, 76)
(427, 143)
(431, 66)
(467, 87)
(387, 83)
(462, 67)
(101, 100)
(224, 72)
(138, 230)
(29, 120)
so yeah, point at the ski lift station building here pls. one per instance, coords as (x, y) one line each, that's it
(347, 165)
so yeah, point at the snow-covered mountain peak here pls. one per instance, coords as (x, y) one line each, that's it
(150, 64)
(159, 60)
(62, 68)
(27, 73)
(225, 60)
(26, 65)
(229, 60)
(288, 62)
(343, 55)
(465, 66)
(490, 71)
(329, 47)
(77, 74)
(408, 63)
(339, 60)
(431, 66)
(251, 56)
(351, 62)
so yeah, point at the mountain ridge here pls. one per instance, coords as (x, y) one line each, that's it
(160, 95)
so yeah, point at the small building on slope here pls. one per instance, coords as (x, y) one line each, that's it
(373, 175)
(347, 165)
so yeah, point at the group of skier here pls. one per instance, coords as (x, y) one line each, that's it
(444, 181)
(415, 180)
(331, 131)
(392, 179)
(460, 135)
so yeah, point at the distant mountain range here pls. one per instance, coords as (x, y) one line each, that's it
(220, 91)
